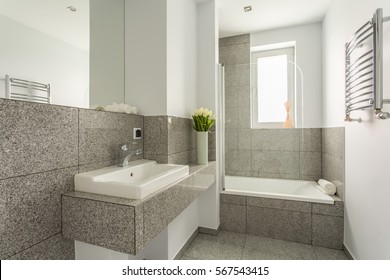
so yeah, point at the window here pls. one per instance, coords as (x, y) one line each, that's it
(273, 87)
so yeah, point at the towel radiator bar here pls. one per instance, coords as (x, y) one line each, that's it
(364, 69)
(24, 90)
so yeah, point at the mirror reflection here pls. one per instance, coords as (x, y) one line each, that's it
(75, 46)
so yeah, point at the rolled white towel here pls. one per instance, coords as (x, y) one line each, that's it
(326, 187)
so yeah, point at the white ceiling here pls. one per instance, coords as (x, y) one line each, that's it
(53, 18)
(267, 14)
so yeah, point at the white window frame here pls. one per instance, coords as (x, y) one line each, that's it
(273, 50)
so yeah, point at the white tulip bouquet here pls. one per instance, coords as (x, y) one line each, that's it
(203, 119)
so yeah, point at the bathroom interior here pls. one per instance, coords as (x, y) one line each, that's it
(109, 83)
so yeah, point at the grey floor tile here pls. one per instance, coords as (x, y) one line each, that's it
(224, 246)
(329, 254)
(261, 248)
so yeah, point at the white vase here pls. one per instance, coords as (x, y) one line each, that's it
(202, 147)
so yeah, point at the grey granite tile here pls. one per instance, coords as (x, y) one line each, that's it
(103, 198)
(179, 134)
(233, 217)
(333, 141)
(212, 154)
(232, 199)
(328, 231)
(234, 40)
(238, 173)
(329, 254)
(44, 136)
(154, 216)
(279, 162)
(31, 208)
(238, 139)
(53, 248)
(158, 158)
(311, 139)
(180, 157)
(333, 171)
(279, 224)
(96, 165)
(244, 117)
(225, 246)
(238, 160)
(336, 209)
(261, 248)
(194, 156)
(231, 139)
(161, 209)
(234, 54)
(99, 223)
(156, 135)
(276, 139)
(275, 175)
(279, 204)
(205, 177)
(231, 97)
(310, 164)
(102, 134)
(237, 75)
(139, 228)
(231, 118)
(212, 138)
(244, 96)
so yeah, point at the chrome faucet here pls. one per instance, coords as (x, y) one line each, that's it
(125, 148)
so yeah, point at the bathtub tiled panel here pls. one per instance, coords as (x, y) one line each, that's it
(304, 222)
(233, 217)
(279, 224)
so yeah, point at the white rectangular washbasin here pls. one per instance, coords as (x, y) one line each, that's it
(136, 181)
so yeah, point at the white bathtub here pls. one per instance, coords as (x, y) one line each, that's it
(276, 188)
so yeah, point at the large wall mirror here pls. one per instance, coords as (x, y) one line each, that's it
(75, 46)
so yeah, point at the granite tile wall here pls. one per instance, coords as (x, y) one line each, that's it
(270, 153)
(42, 147)
(304, 222)
(171, 139)
(333, 164)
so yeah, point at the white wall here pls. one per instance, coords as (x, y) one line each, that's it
(181, 57)
(26, 53)
(207, 95)
(146, 56)
(367, 150)
(309, 58)
(107, 52)
(207, 54)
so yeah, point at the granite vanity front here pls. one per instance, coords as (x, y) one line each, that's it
(126, 225)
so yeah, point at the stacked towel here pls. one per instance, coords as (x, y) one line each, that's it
(326, 187)
(120, 108)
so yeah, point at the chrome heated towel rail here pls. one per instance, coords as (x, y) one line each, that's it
(26, 90)
(364, 69)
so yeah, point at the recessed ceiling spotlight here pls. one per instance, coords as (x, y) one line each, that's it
(71, 8)
(247, 9)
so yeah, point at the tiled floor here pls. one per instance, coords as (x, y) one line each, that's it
(236, 246)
